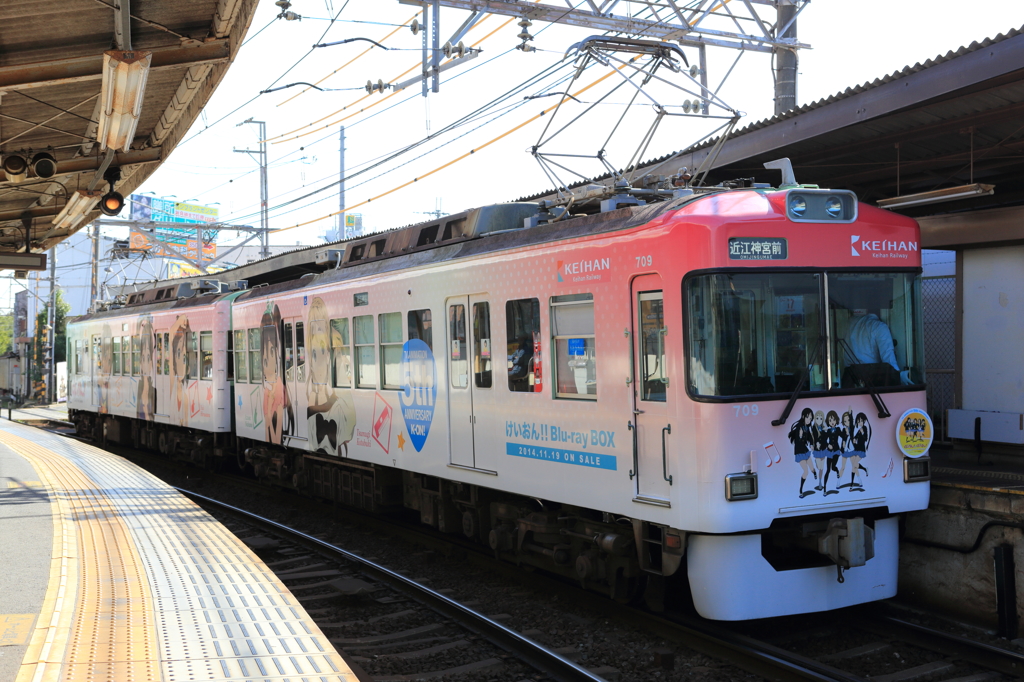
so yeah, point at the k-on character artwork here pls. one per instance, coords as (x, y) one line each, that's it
(829, 439)
(146, 401)
(331, 414)
(277, 408)
(181, 332)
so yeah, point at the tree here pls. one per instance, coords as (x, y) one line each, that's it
(6, 333)
(60, 340)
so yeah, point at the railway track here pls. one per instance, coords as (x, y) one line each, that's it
(846, 646)
(535, 655)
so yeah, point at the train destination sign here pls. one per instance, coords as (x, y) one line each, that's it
(758, 248)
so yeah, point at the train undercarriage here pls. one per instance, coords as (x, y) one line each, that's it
(615, 556)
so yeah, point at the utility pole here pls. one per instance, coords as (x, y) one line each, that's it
(95, 261)
(261, 157)
(51, 336)
(342, 229)
(785, 58)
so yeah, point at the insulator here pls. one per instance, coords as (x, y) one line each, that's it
(460, 49)
(380, 86)
(524, 36)
(525, 23)
(415, 26)
(447, 49)
(697, 105)
(292, 16)
(686, 106)
(369, 87)
(694, 71)
(526, 48)
(283, 4)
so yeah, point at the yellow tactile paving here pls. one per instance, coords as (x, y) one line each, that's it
(156, 587)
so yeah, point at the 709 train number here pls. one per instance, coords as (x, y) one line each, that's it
(746, 410)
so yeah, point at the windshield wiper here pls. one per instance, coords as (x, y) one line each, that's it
(883, 411)
(800, 385)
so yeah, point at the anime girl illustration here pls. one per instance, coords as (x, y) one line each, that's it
(818, 429)
(861, 440)
(277, 409)
(179, 407)
(833, 445)
(106, 357)
(146, 401)
(801, 435)
(330, 413)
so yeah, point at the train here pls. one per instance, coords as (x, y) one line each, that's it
(680, 403)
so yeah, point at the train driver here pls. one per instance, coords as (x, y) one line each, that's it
(871, 343)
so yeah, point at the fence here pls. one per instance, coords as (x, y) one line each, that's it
(938, 305)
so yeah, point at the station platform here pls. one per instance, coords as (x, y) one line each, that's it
(107, 573)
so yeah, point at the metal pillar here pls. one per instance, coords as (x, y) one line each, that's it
(51, 317)
(264, 193)
(95, 261)
(785, 58)
(342, 230)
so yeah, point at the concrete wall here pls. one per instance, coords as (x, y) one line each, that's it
(962, 585)
(993, 329)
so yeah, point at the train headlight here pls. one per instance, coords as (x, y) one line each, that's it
(834, 207)
(919, 469)
(740, 487)
(797, 205)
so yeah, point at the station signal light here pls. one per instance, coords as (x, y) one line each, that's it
(15, 167)
(111, 203)
(44, 165)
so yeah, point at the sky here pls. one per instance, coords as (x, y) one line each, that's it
(851, 43)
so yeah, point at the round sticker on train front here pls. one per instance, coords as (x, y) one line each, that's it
(914, 433)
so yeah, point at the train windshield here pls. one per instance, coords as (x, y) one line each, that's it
(762, 333)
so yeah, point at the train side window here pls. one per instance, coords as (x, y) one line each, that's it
(206, 355)
(241, 359)
(575, 358)
(158, 353)
(482, 376)
(255, 361)
(420, 327)
(457, 353)
(193, 355)
(342, 365)
(300, 352)
(289, 353)
(522, 329)
(390, 350)
(136, 356)
(366, 363)
(126, 355)
(117, 356)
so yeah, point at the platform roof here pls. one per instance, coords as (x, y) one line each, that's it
(50, 76)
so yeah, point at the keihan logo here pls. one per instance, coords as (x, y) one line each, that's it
(853, 240)
(581, 270)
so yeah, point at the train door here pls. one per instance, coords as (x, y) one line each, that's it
(94, 370)
(471, 379)
(651, 430)
(294, 364)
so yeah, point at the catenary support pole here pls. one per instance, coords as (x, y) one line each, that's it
(51, 373)
(785, 59)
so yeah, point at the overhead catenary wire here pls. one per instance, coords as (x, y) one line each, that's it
(358, 56)
(453, 161)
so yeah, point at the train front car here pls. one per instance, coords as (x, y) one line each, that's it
(803, 344)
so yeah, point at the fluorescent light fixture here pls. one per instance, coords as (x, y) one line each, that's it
(937, 196)
(78, 206)
(124, 84)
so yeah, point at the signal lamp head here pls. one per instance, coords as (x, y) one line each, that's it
(834, 207)
(44, 165)
(111, 203)
(16, 167)
(797, 205)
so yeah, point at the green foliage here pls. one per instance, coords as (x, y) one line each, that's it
(6, 333)
(41, 338)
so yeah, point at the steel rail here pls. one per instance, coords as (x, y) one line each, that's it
(981, 654)
(533, 654)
